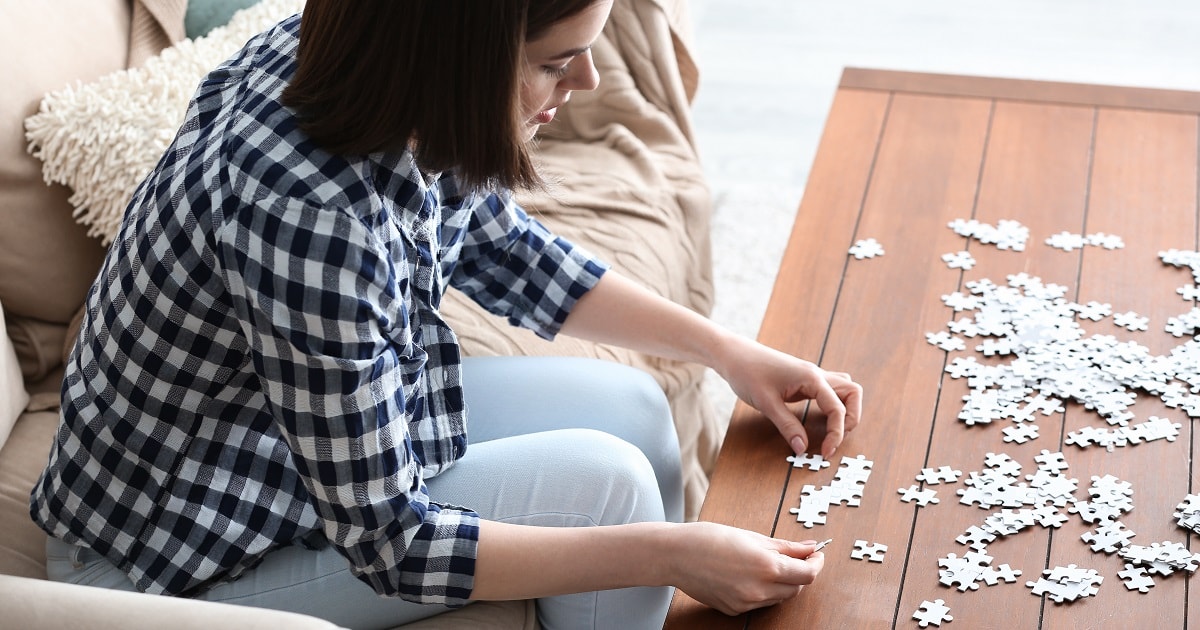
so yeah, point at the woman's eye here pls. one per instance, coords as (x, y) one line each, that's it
(557, 72)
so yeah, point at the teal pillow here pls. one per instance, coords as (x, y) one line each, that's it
(205, 15)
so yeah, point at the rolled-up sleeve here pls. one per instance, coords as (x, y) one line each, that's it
(513, 266)
(324, 309)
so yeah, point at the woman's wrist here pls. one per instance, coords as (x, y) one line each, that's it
(725, 350)
(665, 547)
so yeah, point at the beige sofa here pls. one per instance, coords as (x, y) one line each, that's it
(630, 187)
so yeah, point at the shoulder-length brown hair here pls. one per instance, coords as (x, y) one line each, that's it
(440, 76)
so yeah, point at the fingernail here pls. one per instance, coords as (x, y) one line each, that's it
(798, 445)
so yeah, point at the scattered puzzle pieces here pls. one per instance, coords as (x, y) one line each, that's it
(1040, 359)
(1131, 321)
(1069, 583)
(1005, 235)
(1066, 241)
(932, 612)
(964, 572)
(1136, 578)
(866, 248)
(863, 550)
(1005, 573)
(943, 474)
(945, 341)
(1109, 537)
(959, 260)
(915, 493)
(1188, 513)
(1020, 433)
(976, 538)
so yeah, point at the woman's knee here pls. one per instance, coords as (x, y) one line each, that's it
(615, 473)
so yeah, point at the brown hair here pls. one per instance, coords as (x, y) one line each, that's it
(441, 76)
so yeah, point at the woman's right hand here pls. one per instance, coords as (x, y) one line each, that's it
(735, 570)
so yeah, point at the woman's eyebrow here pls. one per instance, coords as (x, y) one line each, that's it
(568, 54)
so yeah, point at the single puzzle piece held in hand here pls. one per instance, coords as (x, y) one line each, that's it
(932, 612)
(868, 551)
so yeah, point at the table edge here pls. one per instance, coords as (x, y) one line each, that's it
(1093, 95)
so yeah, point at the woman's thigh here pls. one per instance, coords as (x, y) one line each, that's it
(541, 429)
(509, 396)
(530, 479)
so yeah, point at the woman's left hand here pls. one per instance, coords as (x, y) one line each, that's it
(768, 380)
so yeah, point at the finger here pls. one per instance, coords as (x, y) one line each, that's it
(852, 398)
(786, 422)
(835, 417)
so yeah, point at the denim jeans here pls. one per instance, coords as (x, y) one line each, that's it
(555, 442)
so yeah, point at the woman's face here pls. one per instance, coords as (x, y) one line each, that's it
(559, 62)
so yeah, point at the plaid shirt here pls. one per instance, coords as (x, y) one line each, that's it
(263, 356)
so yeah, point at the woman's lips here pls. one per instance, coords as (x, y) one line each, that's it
(544, 117)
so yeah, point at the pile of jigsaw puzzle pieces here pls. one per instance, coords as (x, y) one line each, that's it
(1039, 358)
(1039, 499)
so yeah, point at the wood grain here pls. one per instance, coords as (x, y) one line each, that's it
(756, 454)
(1143, 187)
(1035, 169)
(902, 155)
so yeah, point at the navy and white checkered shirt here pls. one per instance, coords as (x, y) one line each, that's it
(263, 356)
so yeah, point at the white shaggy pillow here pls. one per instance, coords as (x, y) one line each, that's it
(103, 138)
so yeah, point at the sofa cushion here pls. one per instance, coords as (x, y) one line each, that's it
(38, 345)
(46, 259)
(13, 396)
(23, 545)
(103, 158)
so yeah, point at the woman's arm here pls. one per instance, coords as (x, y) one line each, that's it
(620, 312)
(730, 569)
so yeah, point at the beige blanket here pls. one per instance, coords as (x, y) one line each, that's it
(632, 191)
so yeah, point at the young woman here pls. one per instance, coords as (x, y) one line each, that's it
(265, 407)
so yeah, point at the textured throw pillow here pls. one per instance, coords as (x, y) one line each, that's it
(103, 138)
(13, 397)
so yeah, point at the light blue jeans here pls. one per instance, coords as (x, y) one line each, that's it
(556, 442)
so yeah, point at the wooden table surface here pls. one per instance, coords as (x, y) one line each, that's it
(902, 156)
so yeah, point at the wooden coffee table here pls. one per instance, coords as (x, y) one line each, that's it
(902, 156)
